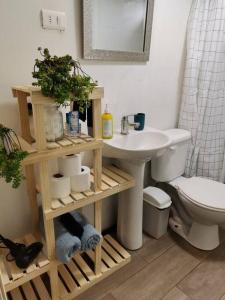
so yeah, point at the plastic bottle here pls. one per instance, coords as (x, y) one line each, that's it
(107, 124)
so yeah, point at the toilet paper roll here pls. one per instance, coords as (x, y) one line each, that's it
(81, 182)
(60, 186)
(70, 165)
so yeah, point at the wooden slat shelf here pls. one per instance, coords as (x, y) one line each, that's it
(12, 276)
(113, 181)
(56, 149)
(78, 275)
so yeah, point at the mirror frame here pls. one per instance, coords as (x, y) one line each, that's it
(111, 55)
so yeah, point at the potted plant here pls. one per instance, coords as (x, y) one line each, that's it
(11, 156)
(63, 79)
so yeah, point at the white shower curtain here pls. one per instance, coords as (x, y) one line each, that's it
(203, 100)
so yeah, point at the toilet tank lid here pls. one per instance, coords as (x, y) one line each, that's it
(178, 135)
(157, 197)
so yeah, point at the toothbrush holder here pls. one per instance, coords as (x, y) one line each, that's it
(140, 118)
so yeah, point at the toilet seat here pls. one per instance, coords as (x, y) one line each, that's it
(203, 192)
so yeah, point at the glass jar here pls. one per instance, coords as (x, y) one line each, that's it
(53, 119)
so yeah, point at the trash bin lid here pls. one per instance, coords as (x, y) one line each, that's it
(157, 197)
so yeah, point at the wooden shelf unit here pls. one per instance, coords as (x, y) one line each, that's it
(65, 281)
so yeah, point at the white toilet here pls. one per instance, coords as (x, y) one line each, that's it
(200, 208)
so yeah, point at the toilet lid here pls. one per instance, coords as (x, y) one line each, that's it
(204, 192)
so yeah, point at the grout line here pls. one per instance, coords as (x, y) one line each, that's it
(149, 262)
(189, 273)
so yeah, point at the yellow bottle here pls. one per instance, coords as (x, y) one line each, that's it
(107, 124)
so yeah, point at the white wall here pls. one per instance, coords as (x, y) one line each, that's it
(153, 88)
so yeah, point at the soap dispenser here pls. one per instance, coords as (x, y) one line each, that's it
(107, 124)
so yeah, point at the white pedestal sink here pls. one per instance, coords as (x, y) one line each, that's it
(132, 152)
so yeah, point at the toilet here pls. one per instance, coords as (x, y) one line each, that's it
(199, 208)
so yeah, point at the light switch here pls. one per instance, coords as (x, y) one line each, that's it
(52, 19)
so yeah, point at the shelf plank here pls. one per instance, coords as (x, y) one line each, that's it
(84, 267)
(119, 172)
(117, 246)
(77, 273)
(66, 200)
(78, 196)
(113, 175)
(112, 252)
(107, 259)
(65, 142)
(67, 278)
(28, 291)
(91, 255)
(56, 204)
(16, 294)
(63, 291)
(109, 181)
(41, 289)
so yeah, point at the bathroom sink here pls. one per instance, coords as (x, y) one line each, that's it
(137, 145)
(131, 153)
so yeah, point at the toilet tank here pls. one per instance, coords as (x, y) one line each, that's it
(172, 163)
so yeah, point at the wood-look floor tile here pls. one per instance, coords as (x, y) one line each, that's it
(107, 297)
(206, 282)
(197, 253)
(158, 277)
(154, 248)
(102, 288)
(176, 294)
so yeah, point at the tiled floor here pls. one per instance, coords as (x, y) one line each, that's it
(168, 269)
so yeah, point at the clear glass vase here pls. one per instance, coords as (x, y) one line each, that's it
(53, 119)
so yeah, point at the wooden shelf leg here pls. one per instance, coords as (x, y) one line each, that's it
(54, 279)
(98, 205)
(49, 227)
(97, 169)
(24, 117)
(97, 132)
(98, 226)
(32, 194)
(3, 295)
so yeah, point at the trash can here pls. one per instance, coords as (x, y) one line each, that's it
(156, 211)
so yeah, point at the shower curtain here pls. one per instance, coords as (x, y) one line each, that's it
(203, 100)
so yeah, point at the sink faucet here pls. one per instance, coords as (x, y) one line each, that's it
(125, 124)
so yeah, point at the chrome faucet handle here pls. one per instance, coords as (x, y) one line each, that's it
(124, 125)
(134, 124)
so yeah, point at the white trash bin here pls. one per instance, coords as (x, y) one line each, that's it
(156, 211)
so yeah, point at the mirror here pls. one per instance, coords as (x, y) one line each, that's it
(117, 30)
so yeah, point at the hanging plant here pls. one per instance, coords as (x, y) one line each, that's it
(63, 79)
(11, 156)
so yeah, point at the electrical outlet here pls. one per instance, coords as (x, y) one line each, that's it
(53, 19)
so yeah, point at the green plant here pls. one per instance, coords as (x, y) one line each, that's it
(63, 79)
(11, 156)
